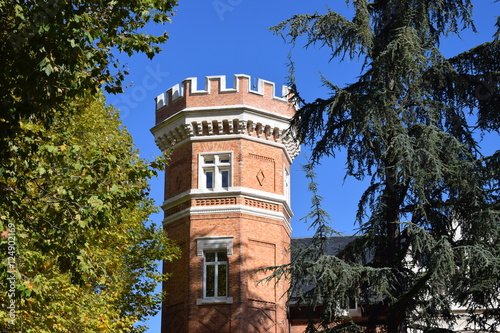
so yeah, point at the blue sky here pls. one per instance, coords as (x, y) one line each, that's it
(226, 37)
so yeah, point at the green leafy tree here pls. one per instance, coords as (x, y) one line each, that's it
(411, 125)
(78, 252)
(53, 51)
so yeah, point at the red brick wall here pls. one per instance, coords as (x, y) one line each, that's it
(177, 177)
(175, 308)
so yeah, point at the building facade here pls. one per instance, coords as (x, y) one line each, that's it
(227, 203)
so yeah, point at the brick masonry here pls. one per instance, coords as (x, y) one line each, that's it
(254, 210)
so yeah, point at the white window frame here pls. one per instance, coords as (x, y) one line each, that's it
(210, 245)
(217, 264)
(217, 164)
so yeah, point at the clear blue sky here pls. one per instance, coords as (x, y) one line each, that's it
(226, 37)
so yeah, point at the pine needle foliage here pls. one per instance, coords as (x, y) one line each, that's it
(411, 125)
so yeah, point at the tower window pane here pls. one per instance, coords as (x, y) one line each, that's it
(210, 256)
(210, 281)
(222, 256)
(210, 179)
(216, 270)
(221, 280)
(225, 178)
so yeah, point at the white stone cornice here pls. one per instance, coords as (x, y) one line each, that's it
(223, 112)
(242, 126)
(231, 192)
(198, 124)
(251, 127)
(243, 209)
(243, 192)
(267, 132)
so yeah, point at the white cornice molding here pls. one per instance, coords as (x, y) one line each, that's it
(231, 192)
(243, 209)
(208, 123)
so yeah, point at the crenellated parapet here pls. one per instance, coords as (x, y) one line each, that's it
(218, 112)
(262, 95)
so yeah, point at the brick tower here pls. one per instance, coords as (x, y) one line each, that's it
(227, 203)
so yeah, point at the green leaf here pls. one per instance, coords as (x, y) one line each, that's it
(41, 170)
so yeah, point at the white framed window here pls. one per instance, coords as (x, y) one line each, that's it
(215, 171)
(215, 274)
(215, 251)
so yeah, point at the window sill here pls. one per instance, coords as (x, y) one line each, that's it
(214, 189)
(221, 300)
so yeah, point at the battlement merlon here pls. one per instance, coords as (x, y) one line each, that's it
(217, 93)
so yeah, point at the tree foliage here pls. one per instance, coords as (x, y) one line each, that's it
(78, 252)
(411, 125)
(53, 51)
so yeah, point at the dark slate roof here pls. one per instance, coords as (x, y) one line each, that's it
(333, 245)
